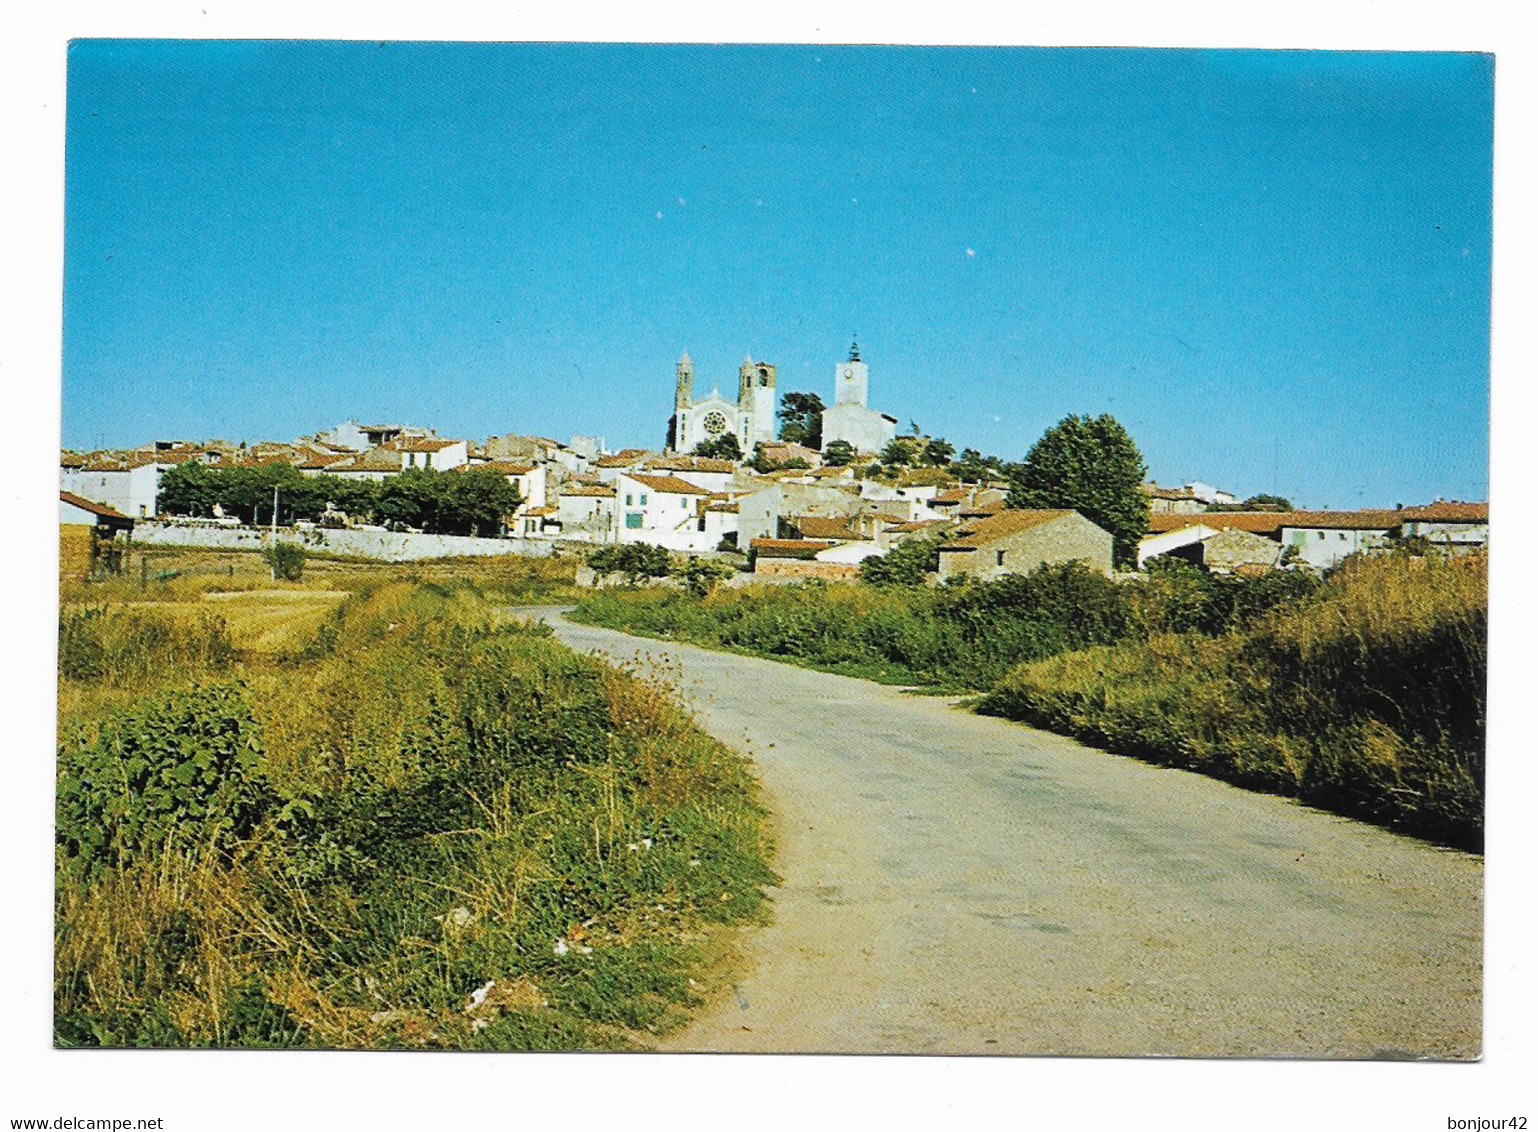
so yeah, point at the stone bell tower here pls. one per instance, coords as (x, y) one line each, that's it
(755, 402)
(684, 397)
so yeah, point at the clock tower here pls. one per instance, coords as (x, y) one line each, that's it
(850, 381)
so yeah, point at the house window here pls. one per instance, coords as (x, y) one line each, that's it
(1321, 534)
(628, 500)
(633, 520)
(1001, 557)
(682, 502)
(643, 499)
(427, 460)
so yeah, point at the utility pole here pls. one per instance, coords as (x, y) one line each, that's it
(274, 534)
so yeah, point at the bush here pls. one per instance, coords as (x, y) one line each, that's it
(286, 560)
(635, 560)
(183, 768)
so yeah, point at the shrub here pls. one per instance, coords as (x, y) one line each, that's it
(635, 560)
(286, 560)
(182, 768)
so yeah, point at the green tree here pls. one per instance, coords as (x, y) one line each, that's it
(1091, 465)
(801, 418)
(724, 447)
(838, 454)
(909, 563)
(899, 452)
(938, 452)
(970, 468)
(475, 502)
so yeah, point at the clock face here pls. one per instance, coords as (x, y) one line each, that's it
(849, 372)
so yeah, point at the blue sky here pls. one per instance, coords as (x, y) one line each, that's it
(1272, 267)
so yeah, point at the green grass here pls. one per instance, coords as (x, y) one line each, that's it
(432, 799)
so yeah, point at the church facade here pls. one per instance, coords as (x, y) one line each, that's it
(750, 418)
(849, 418)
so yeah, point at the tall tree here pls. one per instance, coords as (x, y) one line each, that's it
(1091, 465)
(801, 419)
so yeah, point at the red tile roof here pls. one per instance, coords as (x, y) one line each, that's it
(92, 506)
(787, 547)
(1007, 522)
(821, 527)
(418, 444)
(669, 485)
(1448, 511)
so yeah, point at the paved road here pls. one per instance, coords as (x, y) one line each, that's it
(960, 884)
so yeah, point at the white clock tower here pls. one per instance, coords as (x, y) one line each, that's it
(849, 384)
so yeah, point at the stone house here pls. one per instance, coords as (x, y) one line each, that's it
(1018, 541)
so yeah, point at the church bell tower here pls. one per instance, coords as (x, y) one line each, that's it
(849, 384)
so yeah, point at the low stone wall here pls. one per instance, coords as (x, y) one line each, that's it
(382, 546)
(806, 568)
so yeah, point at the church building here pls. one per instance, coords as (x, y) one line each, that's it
(849, 418)
(750, 418)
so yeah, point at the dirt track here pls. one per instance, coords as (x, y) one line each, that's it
(959, 884)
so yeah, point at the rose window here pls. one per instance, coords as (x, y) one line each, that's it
(715, 424)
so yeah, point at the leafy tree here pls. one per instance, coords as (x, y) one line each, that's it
(476, 501)
(801, 418)
(899, 452)
(838, 454)
(472, 502)
(909, 563)
(970, 468)
(1091, 465)
(724, 447)
(938, 452)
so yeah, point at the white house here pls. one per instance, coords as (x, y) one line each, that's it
(429, 452)
(377, 464)
(662, 510)
(1448, 523)
(128, 486)
(717, 475)
(586, 511)
(529, 479)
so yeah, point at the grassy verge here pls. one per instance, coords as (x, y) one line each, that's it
(1362, 693)
(413, 825)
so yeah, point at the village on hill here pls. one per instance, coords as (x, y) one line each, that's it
(832, 487)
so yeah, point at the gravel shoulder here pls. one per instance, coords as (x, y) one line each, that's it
(954, 883)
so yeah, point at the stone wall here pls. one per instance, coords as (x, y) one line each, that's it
(804, 568)
(382, 546)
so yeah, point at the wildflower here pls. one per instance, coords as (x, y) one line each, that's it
(561, 947)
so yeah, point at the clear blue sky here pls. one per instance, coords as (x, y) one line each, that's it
(1272, 267)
